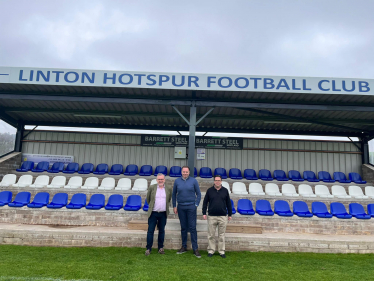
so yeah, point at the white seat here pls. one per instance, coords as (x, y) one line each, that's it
(8, 180)
(339, 191)
(107, 184)
(41, 181)
(123, 184)
(323, 191)
(272, 189)
(74, 182)
(305, 190)
(57, 182)
(226, 185)
(239, 188)
(289, 189)
(154, 181)
(356, 192)
(91, 183)
(23, 181)
(140, 185)
(369, 191)
(255, 188)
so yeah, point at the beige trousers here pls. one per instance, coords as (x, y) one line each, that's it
(213, 223)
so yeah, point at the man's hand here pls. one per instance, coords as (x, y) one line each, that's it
(230, 218)
(175, 210)
(204, 216)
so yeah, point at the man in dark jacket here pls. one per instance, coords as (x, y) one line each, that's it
(217, 199)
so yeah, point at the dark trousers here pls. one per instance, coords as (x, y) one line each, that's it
(158, 219)
(187, 218)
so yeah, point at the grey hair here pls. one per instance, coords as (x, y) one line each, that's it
(161, 174)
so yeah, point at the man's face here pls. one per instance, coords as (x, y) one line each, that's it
(185, 173)
(217, 182)
(161, 180)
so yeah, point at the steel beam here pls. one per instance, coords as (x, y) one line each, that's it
(6, 118)
(19, 137)
(191, 140)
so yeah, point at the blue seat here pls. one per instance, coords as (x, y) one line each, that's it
(233, 207)
(300, 209)
(370, 209)
(56, 167)
(115, 202)
(319, 209)
(97, 201)
(175, 172)
(131, 170)
(263, 208)
(295, 175)
(71, 168)
(357, 210)
(146, 170)
(161, 170)
(116, 169)
(250, 174)
(265, 175)
(280, 175)
(41, 199)
(41, 167)
(87, 168)
(206, 172)
(220, 172)
(22, 199)
(325, 176)
(235, 173)
(146, 206)
(78, 201)
(194, 172)
(59, 200)
(101, 169)
(310, 176)
(5, 197)
(26, 166)
(340, 177)
(245, 207)
(355, 177)
(282, 208)
(133, 203)
(338, 210)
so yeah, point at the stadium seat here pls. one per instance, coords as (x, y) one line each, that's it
(370, 209)
(195, 172)
(300, 209)
(265, 175)
(356, 178)
(56, 167)
(40, 182)
(78, 201)
(87, 168)
(310, 176)
(305, 190)
(74, 182)
(23, 181)
(97, 201)
(289, 190)
(140, 185)
(356, 192)
(263, 208)
(322, 191)
(161, 170)
(282, 208)
(338, 210)
(101, 169)
(8, 180)
(319, 209)
(206, 172)
(133, 203)
(41, 199)
(357, 210)
(5, 197)
(295, 175)
(57, 182)
(369, 191)
(272, 189)
(131, 170)
(226, 185)
(146, 206)
(107, 184)
(59, 200)
(339, 192)
(123, 184)
(220, 172)
(235, 174)
(175, 172)
(154, 181)
(250, 174)
(233, 207)
(239, 188)
(340, 177)
(245, 207)
(116, 169)
(22, 199)
(325, 176)
(71, 168)
(41, 167)
(280, 175)
(91, 183)
(26, 166)
(145, 170)
(115, 202)
(255, 188)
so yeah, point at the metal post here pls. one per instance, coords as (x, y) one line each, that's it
(365, 150)
(191, 139)
(19, 135)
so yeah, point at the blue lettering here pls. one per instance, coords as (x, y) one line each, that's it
(40, 73)
(220, 82)
(113, 78)
(304, 86)
(90, 79)
(31, 75)
(150, 79)
(139, 78)
(353, 86)
(269, 81)
(362, 85)
(195, 79)
(334, 88)
(237, 82)
(20, 76)
(294, 85)
(210, 81)
(162, 79)
(57, 75)
(255, 79)
(283, 83)
(176, 85)
(320, 85)
(66, 76)
(124, 83)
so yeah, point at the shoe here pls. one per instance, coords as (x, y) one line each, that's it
(210, 255)
(161, 251)
(223, 256)
(148, 252)
(197, 254)
(182, 250)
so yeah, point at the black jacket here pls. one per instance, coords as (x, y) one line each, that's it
(218, 202)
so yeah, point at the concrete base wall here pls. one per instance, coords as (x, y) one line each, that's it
(368, 173)
(9, 163)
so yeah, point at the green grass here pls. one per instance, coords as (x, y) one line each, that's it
(48, 263)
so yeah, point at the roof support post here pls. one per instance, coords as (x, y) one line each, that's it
(191, 139)
(19, 135)
(365, 150)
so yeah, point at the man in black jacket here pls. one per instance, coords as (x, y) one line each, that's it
(219, 205)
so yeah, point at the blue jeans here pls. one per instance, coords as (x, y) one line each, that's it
(158, 219)
(187, 218)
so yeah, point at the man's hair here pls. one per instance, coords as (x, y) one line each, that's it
(161, 174)
(217, 176)
(186, 167)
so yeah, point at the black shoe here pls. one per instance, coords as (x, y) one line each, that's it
(197, 254)
(223, 256)
(210, 255)
(182, 250)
